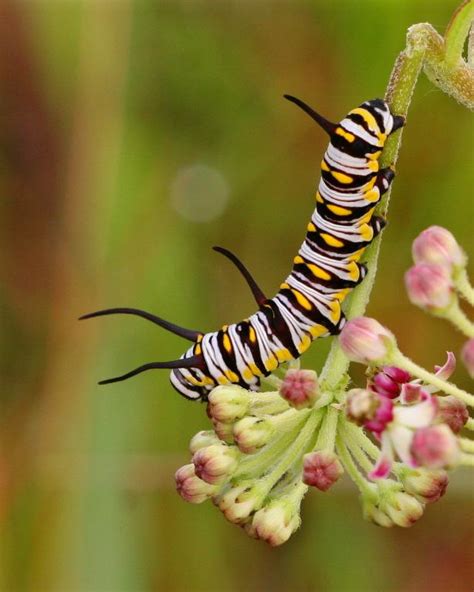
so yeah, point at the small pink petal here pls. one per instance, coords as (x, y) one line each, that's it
(397, 374)
(411, 392)
(445, 371)
(384, 463)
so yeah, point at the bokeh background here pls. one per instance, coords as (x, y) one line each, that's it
(134, 136)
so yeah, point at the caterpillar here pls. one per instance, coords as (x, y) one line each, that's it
(326, 268)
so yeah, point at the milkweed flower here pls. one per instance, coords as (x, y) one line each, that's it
(366, 341)
(436, 245)
(429, 286)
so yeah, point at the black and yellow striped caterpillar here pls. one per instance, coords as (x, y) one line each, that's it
(326, 269)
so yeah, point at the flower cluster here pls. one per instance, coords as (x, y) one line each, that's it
(396, 437)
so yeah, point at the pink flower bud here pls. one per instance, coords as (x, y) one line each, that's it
(435, 447)
(214, 464)
(190, 487)
(300, 388)
(467, 355)
(429, 286)
(321, 469)
(202, 439)
(275, 523)
(404, 509)
(437, 245)
(366, 341)
(426, 485)
(367, 408)
(228, 403)
(251, 433)
(452, 412)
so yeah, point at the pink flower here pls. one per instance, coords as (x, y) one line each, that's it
(435, 447)
(389, 380)
(397, 437)
(452, 412)
(321, 469)
(366, 341)
(369, 409)
(437, 245)
(300, 388)
(429, 286)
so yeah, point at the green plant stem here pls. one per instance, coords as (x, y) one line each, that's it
(457, 31)
(463, 286)
(293, 452)
(351, 468)
(327, 433)
(358, 435)
(466, 444)
(258, 462)
(356, 449)
(456, 316)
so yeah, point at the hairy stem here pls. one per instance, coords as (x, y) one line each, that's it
(463, 286)
(401, 361)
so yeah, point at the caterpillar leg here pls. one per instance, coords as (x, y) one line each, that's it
(384, 179)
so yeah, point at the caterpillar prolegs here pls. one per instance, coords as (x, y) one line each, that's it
(325, 270)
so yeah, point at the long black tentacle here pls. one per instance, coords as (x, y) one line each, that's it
(192, 362)
(259, 296)
(327, 126)
(181, 331)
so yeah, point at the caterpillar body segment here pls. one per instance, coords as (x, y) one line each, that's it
(326, 268)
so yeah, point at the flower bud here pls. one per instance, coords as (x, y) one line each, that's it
(435, 447)
(321, 469)
(403, 509)
(202, 439)
(452, 412)
(214, 464)
(300, 388)
(429, 286)
(373, 513)
(428, 486)
(238, 502)
(275, 523)
(467, 356)
(437, 245)
(251, 433)
(228, 403)
(367, 408)
(366, 341)
(224, 431)
(388, 381)
(190, 487)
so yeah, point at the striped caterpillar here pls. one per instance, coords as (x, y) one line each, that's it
(326, 269)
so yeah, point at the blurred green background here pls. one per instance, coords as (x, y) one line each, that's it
(134, 136)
